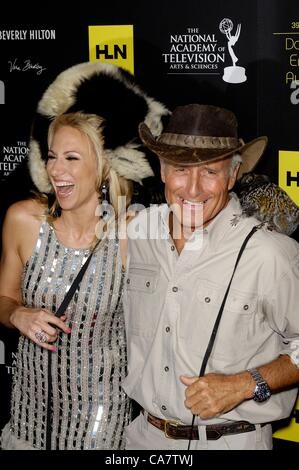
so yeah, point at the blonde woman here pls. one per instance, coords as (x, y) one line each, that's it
(43, 250)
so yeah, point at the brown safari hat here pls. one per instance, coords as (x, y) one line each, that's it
(197, 134)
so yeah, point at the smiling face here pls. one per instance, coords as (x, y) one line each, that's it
(72, 169)
(197, 194)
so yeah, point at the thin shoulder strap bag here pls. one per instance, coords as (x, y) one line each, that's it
(60, 311)
(217, 321)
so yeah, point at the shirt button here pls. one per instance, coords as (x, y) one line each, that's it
(172, 248)
(148, 284)
(166, 368)
(246, 307)
(175, 289)
(128, 281)
(163, 407)
(207, 299)
(167, 329)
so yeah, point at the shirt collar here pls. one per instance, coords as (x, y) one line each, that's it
(222, 223)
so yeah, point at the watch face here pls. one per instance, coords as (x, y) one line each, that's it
(262, 392)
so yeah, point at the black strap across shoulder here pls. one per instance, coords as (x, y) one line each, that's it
(60, 311)
(64, 304)
(217, 321)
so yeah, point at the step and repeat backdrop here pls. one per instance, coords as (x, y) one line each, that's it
(239, 55)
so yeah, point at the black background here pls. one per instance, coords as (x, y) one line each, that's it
(262, 103)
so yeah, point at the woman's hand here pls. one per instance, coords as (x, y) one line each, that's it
(39, 325)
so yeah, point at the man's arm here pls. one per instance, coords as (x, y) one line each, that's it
(215, 394)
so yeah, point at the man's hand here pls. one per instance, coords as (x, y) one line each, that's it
(214, 394)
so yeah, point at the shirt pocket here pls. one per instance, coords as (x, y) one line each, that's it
(237, 332)
(142, 300)
(142, 278)
(236, 324)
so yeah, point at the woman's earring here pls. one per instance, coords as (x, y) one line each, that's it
(105, 208)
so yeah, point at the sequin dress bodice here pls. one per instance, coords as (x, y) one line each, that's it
(90, 408)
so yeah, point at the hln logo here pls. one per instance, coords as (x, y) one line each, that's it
(289, 173)
(113, 44)
(2, 92)
(117, 51)
(292, 178)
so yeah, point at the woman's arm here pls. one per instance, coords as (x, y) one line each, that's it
(20, 232)
(11, 264)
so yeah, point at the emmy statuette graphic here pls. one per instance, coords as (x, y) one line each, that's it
(234, 73)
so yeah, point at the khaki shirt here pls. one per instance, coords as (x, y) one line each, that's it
(171, 303)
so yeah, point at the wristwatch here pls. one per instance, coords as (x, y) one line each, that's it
(262, 391)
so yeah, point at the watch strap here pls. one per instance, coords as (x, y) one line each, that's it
(262, 390)
(256, 375)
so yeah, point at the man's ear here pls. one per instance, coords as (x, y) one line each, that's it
(233, 177)
(162, 170)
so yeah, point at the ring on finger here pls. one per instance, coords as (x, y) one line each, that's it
(41, 336)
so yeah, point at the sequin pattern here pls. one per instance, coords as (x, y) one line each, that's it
(90, 408)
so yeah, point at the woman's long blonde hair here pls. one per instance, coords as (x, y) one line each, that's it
(91, 126)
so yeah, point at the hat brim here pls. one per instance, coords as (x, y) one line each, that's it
(251, 152)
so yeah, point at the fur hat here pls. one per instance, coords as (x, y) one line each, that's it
(197, 134)
(110, 92)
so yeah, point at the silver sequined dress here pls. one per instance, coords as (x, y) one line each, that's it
(90, 408)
